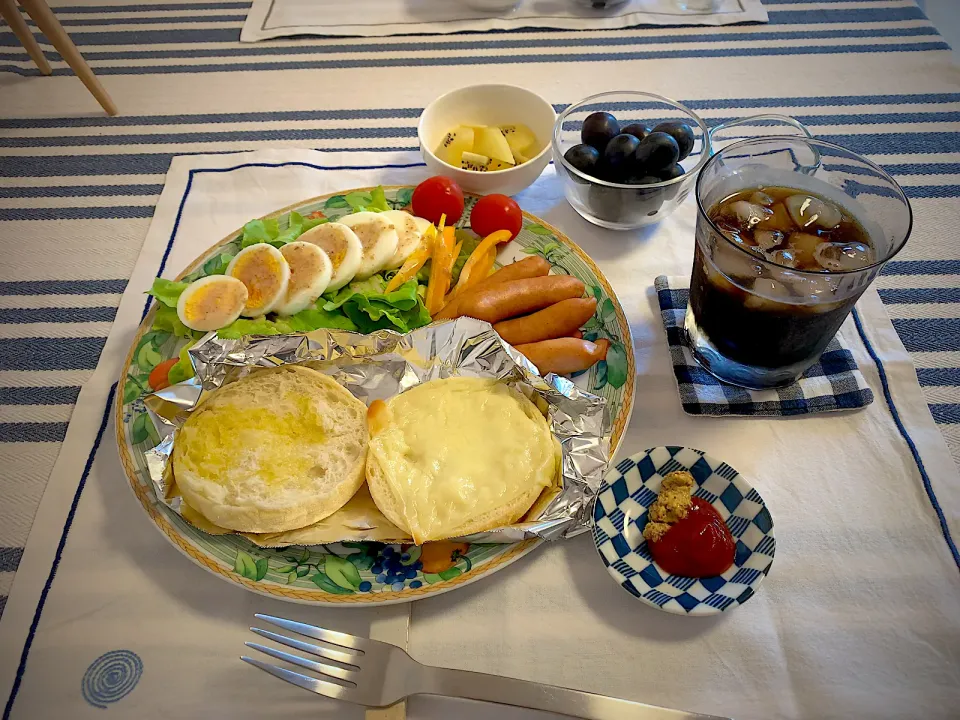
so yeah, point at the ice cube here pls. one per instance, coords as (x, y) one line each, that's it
(747, 214)
(767, 294)
(761, 198)
(779, 220)
(818, 293)
(808, 211)
(804, 245)
(842, 257)
(737, 266)
(785, 257)
(768, 239)
(746, 245)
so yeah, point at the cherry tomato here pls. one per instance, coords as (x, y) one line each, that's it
(496, 212)
(438, 196)
(158, 376)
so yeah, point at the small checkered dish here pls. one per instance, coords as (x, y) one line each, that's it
(620, 514)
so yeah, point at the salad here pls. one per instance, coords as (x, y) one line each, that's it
(378, 267)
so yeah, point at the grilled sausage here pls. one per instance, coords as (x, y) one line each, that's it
(564, 355)
(559, 320)
(519, 297)
(533, 266)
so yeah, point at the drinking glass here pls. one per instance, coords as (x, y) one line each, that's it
(758, 324)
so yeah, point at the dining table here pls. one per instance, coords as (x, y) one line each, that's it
(860, 617)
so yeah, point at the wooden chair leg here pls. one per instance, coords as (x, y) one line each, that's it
(49, 25)
(11, 13)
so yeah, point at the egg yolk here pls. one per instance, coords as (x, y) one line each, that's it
(214, 299)
(261, 273)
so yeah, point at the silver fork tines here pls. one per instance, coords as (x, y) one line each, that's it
(324, 652)
(321, 687)
(331, 670)
(351, 642)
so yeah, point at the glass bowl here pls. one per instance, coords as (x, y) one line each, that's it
(615, 205)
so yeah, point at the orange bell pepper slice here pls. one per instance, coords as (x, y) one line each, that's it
(441, 270)
(417, 260)
(480, 262)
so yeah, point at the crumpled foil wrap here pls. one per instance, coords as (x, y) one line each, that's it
(379, 366)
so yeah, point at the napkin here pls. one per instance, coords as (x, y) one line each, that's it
(834, 382)
(379, 18)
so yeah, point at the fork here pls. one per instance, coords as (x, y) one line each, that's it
(377, 674)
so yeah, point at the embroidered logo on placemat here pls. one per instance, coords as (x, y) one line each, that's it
(111, 677)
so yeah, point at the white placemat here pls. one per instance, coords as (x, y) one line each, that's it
(860, 616)
(379, 18)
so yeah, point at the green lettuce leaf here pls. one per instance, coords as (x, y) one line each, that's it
(378, 200)
(313, 318)
(217, 265)
(167, 320)
(167, 292)
(370, 308)
(317, 318)
(260, 231)
(268, 231)
(254, 326)
(373, 201)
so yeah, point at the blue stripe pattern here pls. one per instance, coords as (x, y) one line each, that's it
(78, 213)
(526, 43)
(10, 558)
(928, 487)
(80, 191)
(55, 395)
(410, 131)
(412, 113)
(32, 432)
(921, 295)
(40, 353)
(57, 315)
(62, 287)
(447, 61)
(939, 376)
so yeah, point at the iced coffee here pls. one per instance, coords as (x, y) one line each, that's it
(750, 316)
(790, 232)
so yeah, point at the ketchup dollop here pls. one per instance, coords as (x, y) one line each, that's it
(699, 545)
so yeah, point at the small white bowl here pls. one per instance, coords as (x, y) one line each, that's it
(488, 105)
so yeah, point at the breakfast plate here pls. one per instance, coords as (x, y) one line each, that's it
(362, 572)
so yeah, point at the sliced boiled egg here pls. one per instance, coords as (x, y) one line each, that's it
(342, 247)
(378, 237)
(265, 272)
(211, 303)
(422, 224)
(310, 273)
(408, 236)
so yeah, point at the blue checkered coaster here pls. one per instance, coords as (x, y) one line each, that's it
(833, 383)
(620, 514)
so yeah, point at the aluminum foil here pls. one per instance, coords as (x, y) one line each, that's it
(379, 366)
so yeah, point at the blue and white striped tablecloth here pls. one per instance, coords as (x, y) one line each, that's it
(77, 189)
